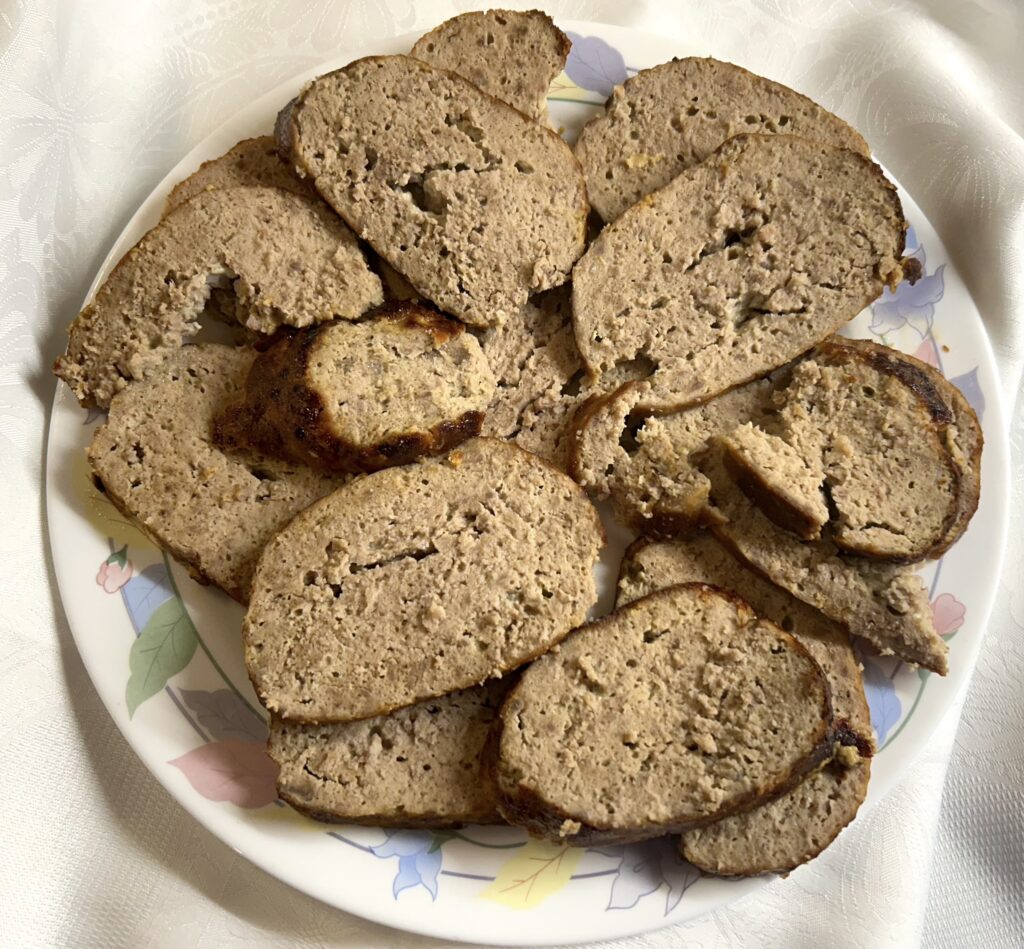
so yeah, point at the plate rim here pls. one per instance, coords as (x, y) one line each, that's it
(202, 151)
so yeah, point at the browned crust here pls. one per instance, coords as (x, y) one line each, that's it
(524, 807)
(282, 415)
(890, 280)
(861, 772)
(948, 409)
(287, 134)
(257, 685)
(425, 821)
(776, 507)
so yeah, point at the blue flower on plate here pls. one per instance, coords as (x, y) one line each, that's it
(910, 304)
(595, 65)
(419, 859)
(644, 869)
(880, 691)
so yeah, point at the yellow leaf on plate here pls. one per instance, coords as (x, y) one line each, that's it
(533, 874)
(103, 516)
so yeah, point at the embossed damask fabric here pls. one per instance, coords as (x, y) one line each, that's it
(100, 98)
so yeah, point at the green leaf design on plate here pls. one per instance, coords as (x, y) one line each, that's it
(164, 647)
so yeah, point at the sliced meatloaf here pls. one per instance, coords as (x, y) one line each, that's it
(157, 462)
(476, 205)
(664, 120)
(512, 55)
(253, 161)
(886, 604)
(539, 377)
(875, 432)
(416, 581)
(417, 767)
(645, 464)
(677, 709)
(739, 265)
(291, 262)
(778, 835)
(362, 396)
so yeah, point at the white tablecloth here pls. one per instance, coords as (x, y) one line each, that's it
(100, 98)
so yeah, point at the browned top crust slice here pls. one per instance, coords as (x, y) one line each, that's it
(678, 709)
(473, 203)
(512, 55)
(866, 428)
(664, 120)
(290, 260)
(253, 161)
(739, 265)
(363, 396)
(419, 581)
(212, 510)
(417, 767)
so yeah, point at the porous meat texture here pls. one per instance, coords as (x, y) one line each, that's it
(664, 120)
(253, 161)
(157, 462)
(539, 377)
(737, 266)
(864, 426)
(416, 581)
(779, 835)
(672, 711)
(785, 482)
(645, 464)
(509, 54)
(420, 766)
(290, 261)
(363, 396)
(886, 604)
(474, 203)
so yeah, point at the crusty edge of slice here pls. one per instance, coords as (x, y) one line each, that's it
(241, 423)
(948, 408)
(781, 508)
(844, 734)
(861, 771)
(525, 808)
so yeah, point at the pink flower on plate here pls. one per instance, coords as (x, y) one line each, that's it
(115, 571)
(948, 614)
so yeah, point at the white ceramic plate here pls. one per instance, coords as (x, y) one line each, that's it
(165, 656)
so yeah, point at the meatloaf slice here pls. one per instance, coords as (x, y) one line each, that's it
(419, 581)
(677, 709)
(363, 396)
(737, 266)
(417, 767)
(778, 835)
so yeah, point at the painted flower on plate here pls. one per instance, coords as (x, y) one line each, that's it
(115, 571)
(948, 614)
(595, 65)
(419, 859)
